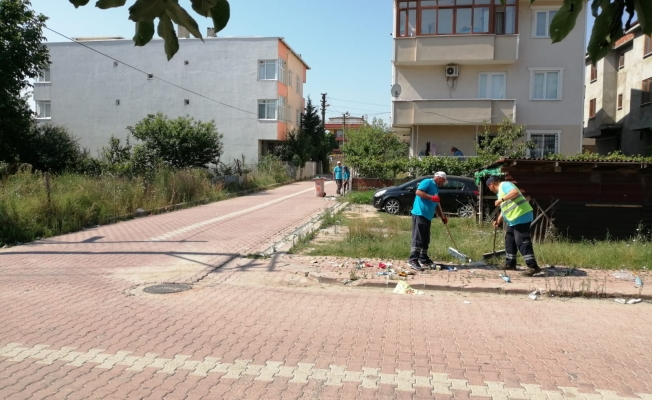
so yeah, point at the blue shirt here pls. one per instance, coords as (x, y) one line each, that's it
(347, 175)
(338, 172)
(458, 153)
(426, 208)
(505, 188)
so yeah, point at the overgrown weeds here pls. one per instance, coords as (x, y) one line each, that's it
(358, 197)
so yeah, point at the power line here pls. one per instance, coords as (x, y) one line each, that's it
(148, 74)
(359, 102)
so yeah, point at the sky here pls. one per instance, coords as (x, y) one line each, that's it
(347, 43)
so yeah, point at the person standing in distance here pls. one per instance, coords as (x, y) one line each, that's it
(426, 204)
(518, 214)
(346, 175)
(337, 175)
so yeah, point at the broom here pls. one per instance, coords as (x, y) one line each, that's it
(494, 253)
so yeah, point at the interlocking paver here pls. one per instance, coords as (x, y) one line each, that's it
(77, 324)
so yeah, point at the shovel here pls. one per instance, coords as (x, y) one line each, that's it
(452, 251)
(494, 253)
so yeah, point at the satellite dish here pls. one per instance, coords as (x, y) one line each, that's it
(396, 90)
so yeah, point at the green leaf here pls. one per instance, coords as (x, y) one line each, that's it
(144, 32)
(104, 4)
(221, 14)
(607, 28)
(78, 3)
(167, 33)
(181, 17)
(146, 10)
(644, 15)
(564, 21)
(203, 7)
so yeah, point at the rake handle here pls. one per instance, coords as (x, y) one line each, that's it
(448, 230)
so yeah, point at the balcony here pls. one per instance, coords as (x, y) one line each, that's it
(452, 112)
(456, 49)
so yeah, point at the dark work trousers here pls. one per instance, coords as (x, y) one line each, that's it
(339, 185)
(420, 238)
(518, 238)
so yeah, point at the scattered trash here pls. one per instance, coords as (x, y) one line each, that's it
(505, 278)
(315, 262)
(639, 282)
(403, 288)
(382, 266)
(381, 273)
(467, 302)
(368, 265)
(341, 265)
(534, 295)
(452, 269)
(438, 267)
(624, 275)
(634, 301)
(621, 301)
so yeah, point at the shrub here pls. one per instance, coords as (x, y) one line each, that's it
(52, 148)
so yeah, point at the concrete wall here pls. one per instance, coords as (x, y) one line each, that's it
(429, 82)
(85, 86)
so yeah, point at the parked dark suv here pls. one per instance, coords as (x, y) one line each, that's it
(458, 196)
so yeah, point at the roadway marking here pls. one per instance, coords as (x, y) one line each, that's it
(192, 227)
(403, 380)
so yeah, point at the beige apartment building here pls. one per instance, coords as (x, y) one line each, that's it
(618, 103)
(459, 63)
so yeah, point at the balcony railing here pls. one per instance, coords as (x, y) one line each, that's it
(452, 112)
(456, 49)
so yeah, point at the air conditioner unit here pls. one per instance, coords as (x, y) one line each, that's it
(452, 71)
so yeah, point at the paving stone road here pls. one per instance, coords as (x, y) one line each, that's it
(76, 323)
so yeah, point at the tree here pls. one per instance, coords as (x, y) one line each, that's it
(506, 142)
(22, 56)
(297, 149)
(322, 143)
(52, 148)
(179, 143)
(608, 26)
(375, 151)
(144, 12)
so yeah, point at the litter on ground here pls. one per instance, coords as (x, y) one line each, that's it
(403, 288)
(534, 295)
(639, 282)
(505, 278)
(630, 301)
(624, 275)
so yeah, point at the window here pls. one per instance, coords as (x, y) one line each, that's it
(267, 109)
(43, 109)
(620, 101)
(455, 17)
(186, 62)
(267, 70)
(115, 63)
(594, 73)
(281, 109)
(186, 102)
(289, 114)
(290, 78)
(117, 102)
(282, 64)
(647, 46)
(541, 25)
(545, 84)
(150, 76)
(545, 143)
(299, 117)
(453, 185)
(491, 85)
(645, 91)
(621, 60)
(298, 83)
(43, 76)
(592, 108)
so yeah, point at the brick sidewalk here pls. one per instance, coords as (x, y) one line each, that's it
(77, 325)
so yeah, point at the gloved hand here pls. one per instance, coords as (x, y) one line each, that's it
(436, 198)
(444, 219)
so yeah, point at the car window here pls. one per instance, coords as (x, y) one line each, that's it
(452, 184)
(413, 183)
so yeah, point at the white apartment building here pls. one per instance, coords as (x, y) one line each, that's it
(251, 86)
(618, 101)
(459, 63)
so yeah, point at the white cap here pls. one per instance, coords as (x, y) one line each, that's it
(339, 162)
(441, 174)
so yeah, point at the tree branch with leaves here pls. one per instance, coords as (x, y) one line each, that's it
(145, 12)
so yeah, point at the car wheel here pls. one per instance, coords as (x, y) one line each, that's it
(392, 206)
(466, 211)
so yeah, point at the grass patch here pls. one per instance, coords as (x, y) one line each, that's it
(388, 237)
(358, 197)
(79, 201)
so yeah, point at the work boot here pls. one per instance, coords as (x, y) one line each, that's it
(531, 271)
(507, 267)
(414, 264)
(427, 263)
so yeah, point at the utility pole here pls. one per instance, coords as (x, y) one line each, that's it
(323, 109)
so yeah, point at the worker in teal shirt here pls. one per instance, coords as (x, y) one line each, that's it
(337, 175)
(425, 205)
(346, 175)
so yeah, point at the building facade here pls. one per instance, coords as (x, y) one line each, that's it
(618, 101)
(338, 125)
(460, 63)
(251, 86)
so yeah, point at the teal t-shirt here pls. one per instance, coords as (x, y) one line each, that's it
(338, 172)
(426, 208)
(505, 188)
(347, 175)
